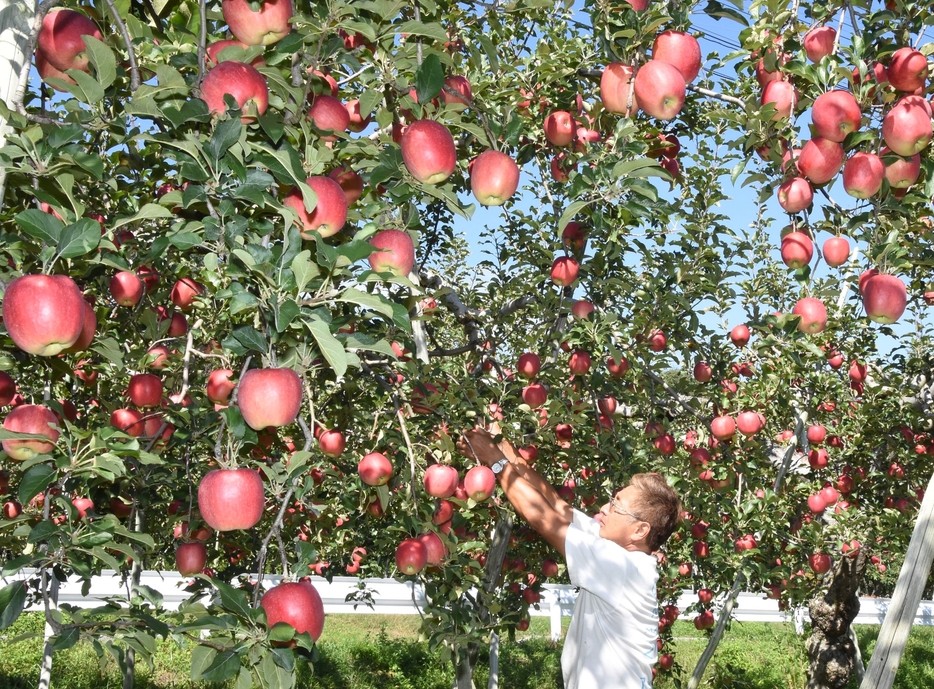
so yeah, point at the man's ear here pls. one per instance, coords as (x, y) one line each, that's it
(641, 534)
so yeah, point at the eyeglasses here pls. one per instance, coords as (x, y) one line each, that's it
(626, 512)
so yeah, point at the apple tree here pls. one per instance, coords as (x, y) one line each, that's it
(244, 324)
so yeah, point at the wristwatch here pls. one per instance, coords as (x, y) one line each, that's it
(499, 466)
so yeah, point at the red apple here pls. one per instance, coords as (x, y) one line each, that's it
(191, 558)
(231, 499)
(782, 96)
(329, 115)
(748, 423)
(819, 42)
(130, 421)
(579, 362)
(435, 552)
(126, 288)
(428, 151)
(356, 122)
(660, 89)
(83, 506)
(145, 390)
(184, 292)
(534, 395)
(30, 418)
(330, 211)
(863, 175)
(797, 249)
(494, 178)
(820, 563)
(581, 309)
(350, 182)
(835, 114)
(44, 314)
(657, 341)
(457, 93)
(560, 128)
(884, 298)
(265, 26)
(220, 385)
(702, 372)
(907, 128)
(705, 595)
(836, 251)
(88, 329)
(564, 271)
(813, 315)
(616, 89)
(332, 443)
(411, 556)
(7, 390)
(297, 604)
(816, 434)
(704, 621)
(723, 427)
(479, 482)
(796, 194)
(739, 335)
(441, 480)
(60, 41)
(908, 69)
(679, 49)
(529, 365)
(818, 458)
(899, 171)
(375, 469)
(820, 160)
(617, 370)
(269, 397)
(247, 86)
(396, 253)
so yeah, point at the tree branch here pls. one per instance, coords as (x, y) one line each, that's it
(131, 56)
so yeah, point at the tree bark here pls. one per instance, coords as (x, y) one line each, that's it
(832, 651)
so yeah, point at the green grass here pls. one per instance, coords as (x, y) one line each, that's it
(382, 652)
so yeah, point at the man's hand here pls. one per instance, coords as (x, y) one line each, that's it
(478, 444)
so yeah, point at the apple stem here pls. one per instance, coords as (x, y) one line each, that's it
(131, 56)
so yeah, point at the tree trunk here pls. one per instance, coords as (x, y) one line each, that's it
(832, 651)
(466, 658)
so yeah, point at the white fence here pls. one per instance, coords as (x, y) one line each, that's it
(391, 597)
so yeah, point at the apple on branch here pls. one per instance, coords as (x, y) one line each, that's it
(264, 27)
(241, 81)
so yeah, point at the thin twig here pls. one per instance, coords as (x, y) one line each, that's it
(261, 558)
(718, 96)
(131, 56)
(202, 41)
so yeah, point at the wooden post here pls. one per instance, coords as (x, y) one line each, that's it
(908, 590)
(16, 22)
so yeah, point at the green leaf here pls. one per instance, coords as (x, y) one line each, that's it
(12, 601)
(244, 679)
(285, 313)
(281, 631)
(102, 57)
(251, 338)
(147, 212)
(374, 302)
(225, 135)
(570, 212)
(638, 167)
(110, 349)
(34, 481)
(79, 238)
(429, 79)
(16, 564)
(201, 658)
(87, 89)
(428, 29)
(41, 531)
(69, 637)
(225, 666)
(284, 658)
(329, 345)
(234, 600)
(40, 225)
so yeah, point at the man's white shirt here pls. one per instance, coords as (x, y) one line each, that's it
(611, 643)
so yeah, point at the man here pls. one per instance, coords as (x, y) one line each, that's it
(611, 643)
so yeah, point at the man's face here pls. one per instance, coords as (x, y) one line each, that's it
(618, 520)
